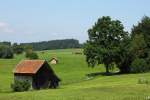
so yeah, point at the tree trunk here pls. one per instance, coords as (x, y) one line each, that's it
(107, 68)
(124, 70)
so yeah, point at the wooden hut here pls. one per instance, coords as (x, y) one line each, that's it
(37, 72)
(54, 60)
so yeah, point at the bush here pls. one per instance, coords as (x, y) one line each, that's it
(18, 50)
(32, 55)
(139, 65)
(20, 86)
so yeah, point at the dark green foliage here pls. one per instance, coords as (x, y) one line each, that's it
(141, 38)
(139, 65)
(5, 43)
(140, 46)
(135, 51)
(20, 86)
(143, 28)
(110, 45)
(103, 46)
(54, 44)
(6, 52)
(31, 55)
(124, 57)
(17, 49)
(148, 59)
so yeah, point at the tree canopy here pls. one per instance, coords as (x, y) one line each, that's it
(104, 42)
(6, 52)
(110, 45)
(140, 45)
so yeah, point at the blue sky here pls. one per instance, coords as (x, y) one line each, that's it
(40, 20)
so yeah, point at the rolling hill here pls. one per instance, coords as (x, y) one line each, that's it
(75, 85)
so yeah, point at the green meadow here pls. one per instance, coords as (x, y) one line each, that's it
(75, 85)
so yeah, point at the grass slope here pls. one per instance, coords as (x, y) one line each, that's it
(75, 85)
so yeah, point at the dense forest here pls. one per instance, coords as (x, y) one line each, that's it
(54, 44)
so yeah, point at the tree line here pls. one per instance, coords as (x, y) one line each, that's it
(54, 44)
(7, 49)
(111, 45)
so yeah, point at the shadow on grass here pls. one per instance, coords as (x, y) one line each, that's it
(108, 74)
(103, 74)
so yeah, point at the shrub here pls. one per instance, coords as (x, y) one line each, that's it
(32, 55)
(18, 50)
(20, 86)
(139, 65)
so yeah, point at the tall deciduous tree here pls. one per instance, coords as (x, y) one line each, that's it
(143, 28)
(141, 40)
(104, 42)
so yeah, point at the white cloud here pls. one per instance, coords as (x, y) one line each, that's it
(4, 27)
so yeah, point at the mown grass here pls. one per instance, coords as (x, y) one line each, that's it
(75, 85)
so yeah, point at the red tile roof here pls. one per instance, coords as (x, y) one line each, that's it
(29, 66)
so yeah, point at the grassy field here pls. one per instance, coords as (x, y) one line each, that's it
(75, 85)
